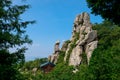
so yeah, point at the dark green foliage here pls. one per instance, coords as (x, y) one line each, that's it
(84, 58)
(67, 42)
(82, 73)
(60, 72)
(33, 64)
(76, 37)
(27, 69)
(105, 61)
(61, 57)
(8, 69)
(12, 35)
(108, 9)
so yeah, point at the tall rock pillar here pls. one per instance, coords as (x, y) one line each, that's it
(54, 57)
(86, 43)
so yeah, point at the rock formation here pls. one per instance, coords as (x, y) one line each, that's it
(83, 41)
(86, 42)
(64, 46)
(53, 58)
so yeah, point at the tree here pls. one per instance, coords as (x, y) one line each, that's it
(12, 35)
(105, 60)
(108, 9)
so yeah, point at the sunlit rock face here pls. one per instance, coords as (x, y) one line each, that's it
(83, 40)
(54, 57)
(86, 43)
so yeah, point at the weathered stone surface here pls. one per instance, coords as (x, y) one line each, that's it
(66, 55)
(56, 47)
(87, 41)
(75, 57)
(64, 46)
(86, 19)
(90, 48)
(88, 29)
(91, 36)
(54, 57)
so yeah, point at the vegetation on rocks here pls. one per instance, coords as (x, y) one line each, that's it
(72, 45)
(104, 63)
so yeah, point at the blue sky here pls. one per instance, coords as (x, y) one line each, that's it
(54, 21)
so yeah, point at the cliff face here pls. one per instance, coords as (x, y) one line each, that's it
(83, 41)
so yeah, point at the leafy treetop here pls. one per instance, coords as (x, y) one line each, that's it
(108, 9)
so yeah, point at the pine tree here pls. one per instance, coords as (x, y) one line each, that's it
(12, 35)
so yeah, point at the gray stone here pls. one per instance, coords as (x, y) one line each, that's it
(91, 36)
(54, 57)
(90, 48)
(56, 47)
(75, 57)
(87, 41)
(66, 53)
(64, 46)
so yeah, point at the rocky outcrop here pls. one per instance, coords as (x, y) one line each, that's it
(90, 48)
(54, 57)
(65, 45)
(66, 52)
(86, 43)
(83, 40)
(75, 57)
